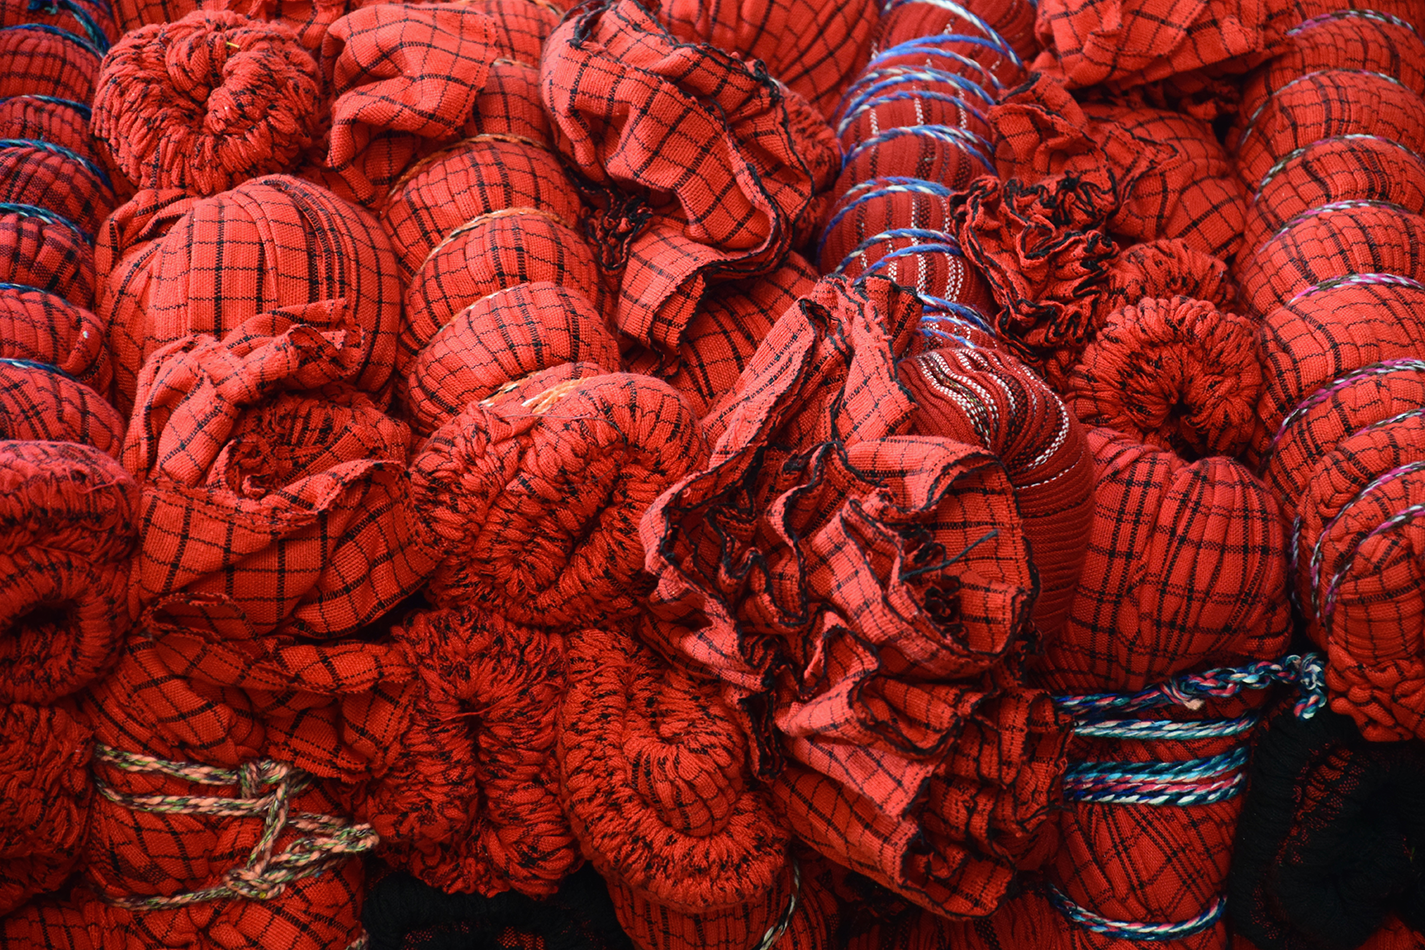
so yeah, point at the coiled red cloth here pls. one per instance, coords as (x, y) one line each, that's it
(499, 339)
(40, 403)
(1012, 22)
(45, 60)
(52, 177)
(38, 327)
(536, 502)
(92, 20)
(992, 400)
(42, 250)
(1177, 374)
(1164, 269)
(57, 121)
(510, 104)
(175, 265)
(206, 103)
(633, 110)
(814, 47)
(471, 800)
(654, 775)
(269, 485)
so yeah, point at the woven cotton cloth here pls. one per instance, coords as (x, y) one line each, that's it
(46, 60)
(48, 119)
(39, 327)
(58, 179)
(42, 250)
(41, 403)
(1164, 269)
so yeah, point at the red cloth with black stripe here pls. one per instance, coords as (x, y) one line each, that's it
(536, 502)
(1164, 269)
(654, 776)
(40, 403)
(57, 121)
(57, 179)
(1012, 22)
(174, 265)
(271, 486)
(633, 110)
(206, 103)
(45, 60)
(42, 250)
(39, 327)
(471, 799)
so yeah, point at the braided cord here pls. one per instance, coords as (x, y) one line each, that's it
(1131, 930)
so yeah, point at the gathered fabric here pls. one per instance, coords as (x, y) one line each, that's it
(1164, 269)
(39, 327)
(206, 103)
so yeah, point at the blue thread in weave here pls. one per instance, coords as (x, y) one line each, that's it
(45, 214)
(978, 23)
(74, 38)
(874, 187)
(916, 234)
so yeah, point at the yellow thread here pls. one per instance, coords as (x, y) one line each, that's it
(487, 217)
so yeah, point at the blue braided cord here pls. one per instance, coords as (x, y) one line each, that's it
(53, 149)
(872, 82)
(1166, 729)
(1344, 14)
(1191, 782)
(880, 264)
(46, 215)
(1188, 689)
(1276, 169)
(79, 107)
(968, 40)
(1349, 204)
(74, 38)
(1329, 389)
(933, 237)
(1186, 770)
(954, 310)
(876, 187)
(929, 45)
(87, 22)
(1252, 121)
(1369, 279)
(1130, 930)
(952, 7)
(934, 334)
(907, 95)
(944, 133)
(31, 364)
(25, 288)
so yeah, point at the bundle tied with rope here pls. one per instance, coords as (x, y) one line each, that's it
(43, 250)
(59, 179)
(43, 59)
(1004, 31)
(49, 119)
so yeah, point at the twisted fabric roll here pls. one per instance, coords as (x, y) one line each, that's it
(1177, 374)
(38, 327)
(624, 95)
(45, 60)
(268, 485)
(177, 265)
(55, 178)
(992, 400)
(1164, 269)
(92, 20)
(501, 338)
(39, 403)
(71, 519)
(57, 121)
(44, 771)
(1008, 26)
(206, 103)
(1332, 242)
(537, 502)
(654, 777)
(470, 802)
(42, 250)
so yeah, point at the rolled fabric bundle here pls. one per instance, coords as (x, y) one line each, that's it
(47, 791)
(941, 153)
(400, 77)
(473, 177)
(876, 206)
(206, 103)
(500, 338)
(1324, 105)
(1088, 42)
(42, 250)
(38, 327)
(92, 20)
(653, 770)
(1360, 239)
(39, 403)
(537, 503)
(71, 526)
(812, 46)
(489, 253)
(930, 262)
(884, 99)
(53, 177)
(44, 60)
(509, 104)
(1324, 851)
(1176, 374)
(57, 121)
(177, 265)
(1344, 168)
(522, 27)
(252, 440)
(616, 84)
(993, 400)
(1165, 269)
(470, 802)
(1003, 24)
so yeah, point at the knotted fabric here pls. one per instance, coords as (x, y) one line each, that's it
(1164, 269)
(470, 802)
(38, 327)
(42, 250)
(537, 501)
(206, 103)
(177, 265)
(625, 95)
(653, 770)
(270, 486)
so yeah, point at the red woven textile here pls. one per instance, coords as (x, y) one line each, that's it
(206, 103)
(625, 96)
(499, 339)
(47, 790)
(1324, 105)
(537, 503)
(92, 20)
(270, 487)
(42, 250)
(1012, 24)
(48, 119)
(70, 515)
(39, 403)
(521, 26)
(992, 400)
(653, 770)
(43, 60)
(1186, 564)
(1329, 243)
(1176, 374)
(1129, 42)
(510, 104)
(1164, 269)
(815, 47)
(399, 76)
(176, 265)
(41, 328)
(470, 802)
(53, 177)
(1361, 168)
